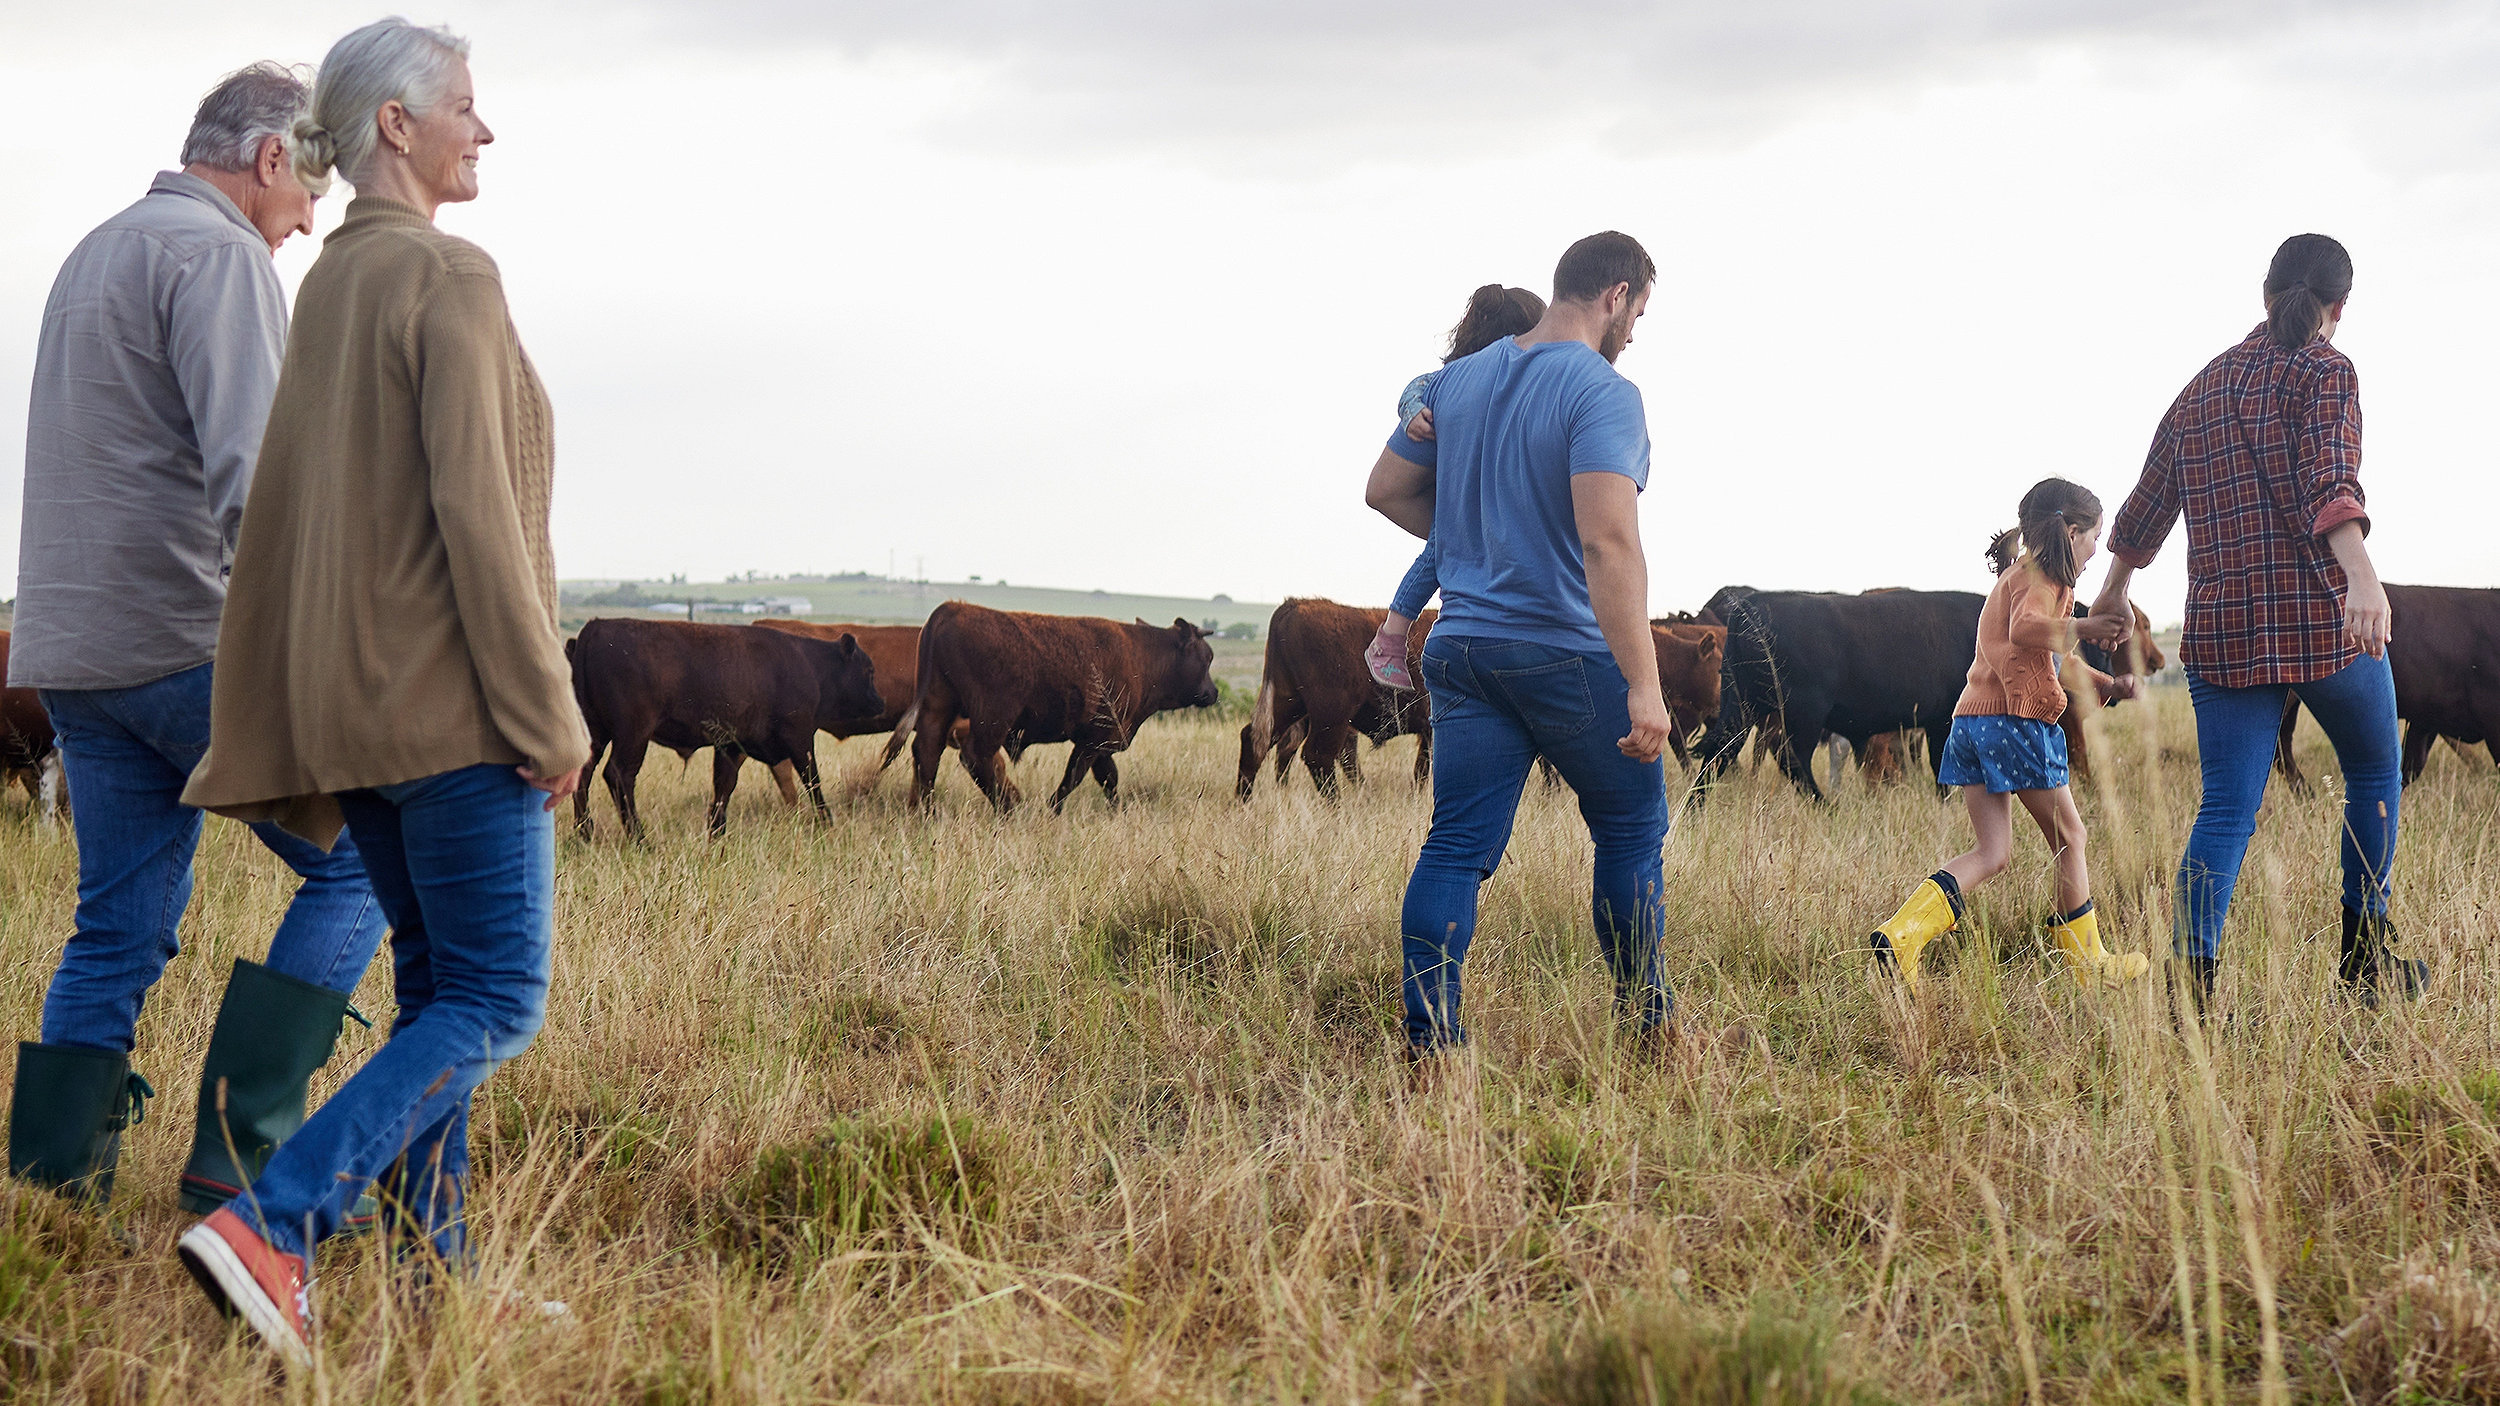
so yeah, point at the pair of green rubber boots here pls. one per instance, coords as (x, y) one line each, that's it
(72, 1104)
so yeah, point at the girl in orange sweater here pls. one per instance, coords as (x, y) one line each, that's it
(2006, 743)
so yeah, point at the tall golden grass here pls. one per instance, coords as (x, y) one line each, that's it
(1108, 1107)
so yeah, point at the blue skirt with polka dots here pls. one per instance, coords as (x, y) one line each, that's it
(2000, 752)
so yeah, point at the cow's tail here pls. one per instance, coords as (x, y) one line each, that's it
(904, 726)
(1263, 718)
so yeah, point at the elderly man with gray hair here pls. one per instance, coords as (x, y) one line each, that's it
(154, 368)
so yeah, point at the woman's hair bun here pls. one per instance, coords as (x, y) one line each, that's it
(316, 154)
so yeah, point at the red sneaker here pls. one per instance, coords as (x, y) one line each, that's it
(1386, 657)
(247, 1277)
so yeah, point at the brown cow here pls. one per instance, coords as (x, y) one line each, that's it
(1317, 696)
(1027, 678)
(27, 754)
(1689, 655)
(741, 692)
(2444, 649)
(895, 650)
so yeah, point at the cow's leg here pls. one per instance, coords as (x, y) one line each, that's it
(1080, 759)
(803, 762)
(625, 764)
(725, 763)
(581, 788)
(2284, 762)
(2418, 740)
(1794, 749)
(1107, 772)
(1351, 757)
(1322, 753)
(786, 777)
(928, 747)
(1289, 746)
(1246, 780)
(980, 747)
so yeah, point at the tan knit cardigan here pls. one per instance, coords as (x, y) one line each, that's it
(392, 613)
(2023, 629)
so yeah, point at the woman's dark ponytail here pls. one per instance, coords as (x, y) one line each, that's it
(2310, 274)
(1493, 312)
(2052, 506)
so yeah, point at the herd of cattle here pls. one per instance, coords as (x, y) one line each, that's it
(1792, 670)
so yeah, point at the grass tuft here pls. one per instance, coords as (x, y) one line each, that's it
(1659, 1353)
(861, 1185)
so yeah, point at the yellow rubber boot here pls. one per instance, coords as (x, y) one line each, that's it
(2079, 938)
(1927, 915)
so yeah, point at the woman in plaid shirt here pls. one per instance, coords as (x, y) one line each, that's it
(2262, 454)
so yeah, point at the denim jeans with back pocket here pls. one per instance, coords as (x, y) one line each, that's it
(1498, 705)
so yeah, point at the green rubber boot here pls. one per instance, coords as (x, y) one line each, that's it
(272, 1032)
(66, 1117)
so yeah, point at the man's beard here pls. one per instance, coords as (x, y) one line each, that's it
(1618, 335)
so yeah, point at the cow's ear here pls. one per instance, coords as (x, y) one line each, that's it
(1712, 646)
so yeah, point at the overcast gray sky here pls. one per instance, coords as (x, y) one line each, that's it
(1120, 293)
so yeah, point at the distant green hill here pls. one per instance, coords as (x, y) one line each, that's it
(871, 599)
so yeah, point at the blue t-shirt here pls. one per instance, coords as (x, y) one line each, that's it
(1511, 427)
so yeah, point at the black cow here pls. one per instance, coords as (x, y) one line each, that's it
(1812, 664)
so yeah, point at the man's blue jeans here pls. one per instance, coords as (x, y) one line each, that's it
(1497, 705)
(2235, 735)
(128, 752)
(464, 864)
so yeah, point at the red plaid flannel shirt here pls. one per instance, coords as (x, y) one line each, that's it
(2262, 452)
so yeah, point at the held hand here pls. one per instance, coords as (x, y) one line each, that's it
(557, 786)
(2105, 627)
(1421, 426)
(1649, 727)
(2367, 620)
(2122, 687)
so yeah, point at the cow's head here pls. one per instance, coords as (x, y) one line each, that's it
(846, 680)
(1192, 670)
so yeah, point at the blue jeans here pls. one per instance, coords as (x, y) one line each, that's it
(128, 753)
(464, 864)
(1498, 705)
(2235, 734)
(1422, 579)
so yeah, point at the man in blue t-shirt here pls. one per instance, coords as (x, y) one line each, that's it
(1530, 484)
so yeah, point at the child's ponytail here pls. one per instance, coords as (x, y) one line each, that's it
(2003, 548)
(2052, 506)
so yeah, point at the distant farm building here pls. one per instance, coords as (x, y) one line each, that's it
(777, 605)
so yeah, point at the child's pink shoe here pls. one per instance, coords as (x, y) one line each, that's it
(1386, 656)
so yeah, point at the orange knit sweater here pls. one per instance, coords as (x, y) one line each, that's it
(2022, 629)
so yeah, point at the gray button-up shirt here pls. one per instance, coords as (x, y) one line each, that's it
(153, 375)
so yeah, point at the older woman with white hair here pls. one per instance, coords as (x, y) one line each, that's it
(391, 663)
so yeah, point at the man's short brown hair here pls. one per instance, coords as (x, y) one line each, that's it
(1598, 263)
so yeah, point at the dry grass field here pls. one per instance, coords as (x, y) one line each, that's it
(1108, 1107)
